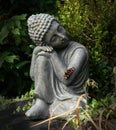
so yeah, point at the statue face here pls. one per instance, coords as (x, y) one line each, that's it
(57, 36)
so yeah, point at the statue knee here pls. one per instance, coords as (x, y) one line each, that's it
(42, 60)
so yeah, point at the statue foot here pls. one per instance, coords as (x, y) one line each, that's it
(40, 110)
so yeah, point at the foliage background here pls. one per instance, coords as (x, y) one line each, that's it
(15, 45)
(91, 23)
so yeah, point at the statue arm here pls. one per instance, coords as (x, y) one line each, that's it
(58, 65)
(35, 54)
(77, 62)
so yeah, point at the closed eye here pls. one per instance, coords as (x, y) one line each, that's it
(53, 38)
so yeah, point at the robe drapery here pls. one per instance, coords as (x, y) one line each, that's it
(50, 89)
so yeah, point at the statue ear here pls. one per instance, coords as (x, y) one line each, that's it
(38, 43)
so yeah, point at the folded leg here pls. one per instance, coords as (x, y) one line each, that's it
(43, 93)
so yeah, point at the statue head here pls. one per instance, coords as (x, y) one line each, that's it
(38, 25)
(45, 29)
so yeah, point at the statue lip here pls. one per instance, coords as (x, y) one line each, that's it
(65, 41)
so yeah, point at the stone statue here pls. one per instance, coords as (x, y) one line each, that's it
(59, 68)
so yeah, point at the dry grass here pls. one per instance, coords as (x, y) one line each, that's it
(97, 125)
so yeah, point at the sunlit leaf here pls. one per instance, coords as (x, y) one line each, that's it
(11, 58)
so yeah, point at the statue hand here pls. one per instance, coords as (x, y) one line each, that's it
(47, 53)
(38, 49)
(44, 53)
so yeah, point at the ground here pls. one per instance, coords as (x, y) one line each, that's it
(18, 121)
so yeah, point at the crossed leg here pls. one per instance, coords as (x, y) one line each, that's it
(43, 93)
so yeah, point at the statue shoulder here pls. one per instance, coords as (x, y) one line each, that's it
(76, 45)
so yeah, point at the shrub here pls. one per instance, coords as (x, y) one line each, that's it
(15, 45)
(14, 55)
(90, 23)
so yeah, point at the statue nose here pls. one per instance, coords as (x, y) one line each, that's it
(60, 35)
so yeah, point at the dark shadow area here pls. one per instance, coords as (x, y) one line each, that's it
(18, 121)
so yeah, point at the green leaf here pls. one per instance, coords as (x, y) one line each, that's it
(18, 23)
(95, 103)
(3, 57)
(1, 62)
(16, 31)
(19, 17)
(21, 64)
(6, 56)
(17, 39)
(11, 58)
(3, 33)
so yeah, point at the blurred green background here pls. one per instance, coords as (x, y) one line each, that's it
(92, 23)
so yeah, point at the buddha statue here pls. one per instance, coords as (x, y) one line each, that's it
(59, 68)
